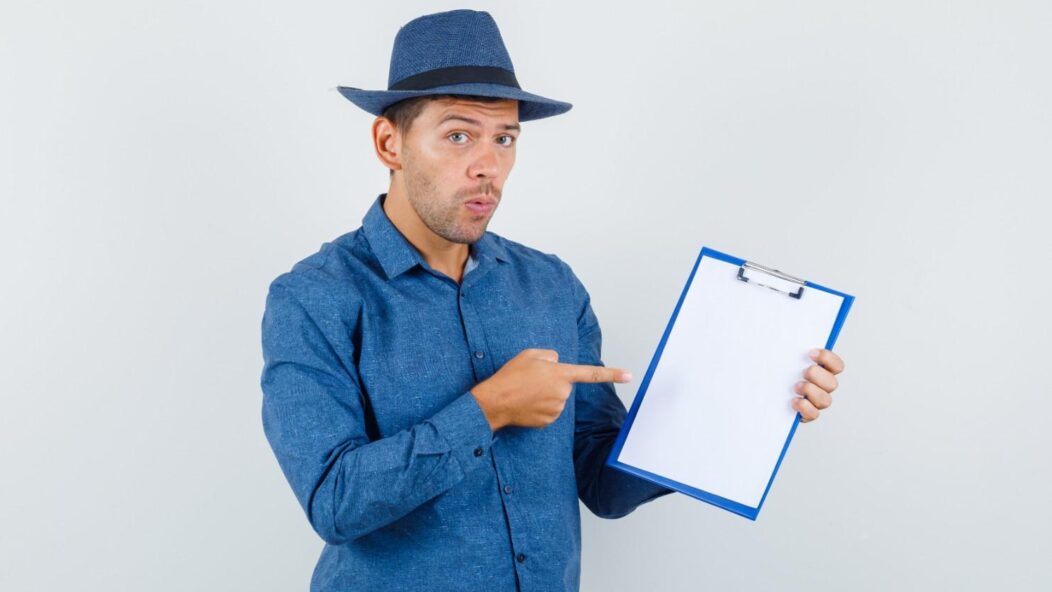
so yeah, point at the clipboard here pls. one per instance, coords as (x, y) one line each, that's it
(712, 417)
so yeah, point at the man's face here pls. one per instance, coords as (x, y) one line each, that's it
(455, 159)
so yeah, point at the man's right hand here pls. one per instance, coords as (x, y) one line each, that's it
(532, 388)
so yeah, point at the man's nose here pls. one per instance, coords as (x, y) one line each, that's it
(486, 162)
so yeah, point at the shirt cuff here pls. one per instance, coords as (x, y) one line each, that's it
(464, 427)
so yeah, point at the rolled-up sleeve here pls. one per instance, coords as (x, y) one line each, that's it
(314, 419)
(606, 491)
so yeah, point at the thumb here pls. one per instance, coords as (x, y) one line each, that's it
(548, 355)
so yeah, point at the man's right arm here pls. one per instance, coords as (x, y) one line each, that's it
(314, 419)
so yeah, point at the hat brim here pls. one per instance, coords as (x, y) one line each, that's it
(531, 106)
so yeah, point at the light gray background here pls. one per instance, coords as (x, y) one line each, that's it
(161, 162)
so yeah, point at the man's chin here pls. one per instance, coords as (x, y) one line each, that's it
(473, 231)
(466, 238)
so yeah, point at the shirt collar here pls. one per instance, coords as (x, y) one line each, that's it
(397, 255)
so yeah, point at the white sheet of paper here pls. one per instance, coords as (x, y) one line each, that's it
(716, 413)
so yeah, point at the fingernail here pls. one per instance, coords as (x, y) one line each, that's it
(814, 354)
(626, 376)
(800, 384)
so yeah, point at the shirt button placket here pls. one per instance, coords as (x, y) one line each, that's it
(476, 340)
(477, 344)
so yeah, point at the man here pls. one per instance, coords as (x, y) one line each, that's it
(434, 392)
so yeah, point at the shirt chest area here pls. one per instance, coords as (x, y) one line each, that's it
(423, 345)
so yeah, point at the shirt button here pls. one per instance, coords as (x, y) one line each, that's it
(478, 452)
(480, 355)
(507, 489)
(521, 558)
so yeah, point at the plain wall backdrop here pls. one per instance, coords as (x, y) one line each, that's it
(161, 162)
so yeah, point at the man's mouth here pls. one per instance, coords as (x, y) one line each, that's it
(481, 205)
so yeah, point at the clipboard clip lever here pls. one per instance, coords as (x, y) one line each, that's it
(771, 278)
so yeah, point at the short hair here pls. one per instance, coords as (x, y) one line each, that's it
(404, 112)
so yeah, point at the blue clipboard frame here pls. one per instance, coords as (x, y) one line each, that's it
(705, 496)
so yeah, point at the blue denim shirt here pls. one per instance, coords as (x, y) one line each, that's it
(369, 358)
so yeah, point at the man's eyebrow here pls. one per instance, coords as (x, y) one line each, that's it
(507, 126)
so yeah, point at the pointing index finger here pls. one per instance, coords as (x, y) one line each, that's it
(587, 373)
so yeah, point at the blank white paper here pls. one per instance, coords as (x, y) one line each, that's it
(716, 413)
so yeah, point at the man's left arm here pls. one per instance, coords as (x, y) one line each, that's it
(608, 492)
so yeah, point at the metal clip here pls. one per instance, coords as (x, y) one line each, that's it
(778, 281)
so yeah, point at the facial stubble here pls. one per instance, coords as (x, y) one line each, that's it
(443, 215)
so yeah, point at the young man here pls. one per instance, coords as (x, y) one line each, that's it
(434, 392)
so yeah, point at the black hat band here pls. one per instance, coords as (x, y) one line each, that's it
(456, 75)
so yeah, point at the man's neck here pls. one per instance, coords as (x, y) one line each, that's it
(441, 254)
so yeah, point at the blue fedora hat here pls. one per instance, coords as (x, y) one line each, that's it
(454, 52)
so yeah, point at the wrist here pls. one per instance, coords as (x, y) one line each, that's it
(488, 404)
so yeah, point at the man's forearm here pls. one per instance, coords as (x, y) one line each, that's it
(609, 492)
(363, 488)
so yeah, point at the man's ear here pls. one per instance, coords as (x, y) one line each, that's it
(387, 141)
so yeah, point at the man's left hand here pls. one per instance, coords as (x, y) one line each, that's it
(818, 384)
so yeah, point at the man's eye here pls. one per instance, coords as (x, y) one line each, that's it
(511, 140)
(454, 135)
